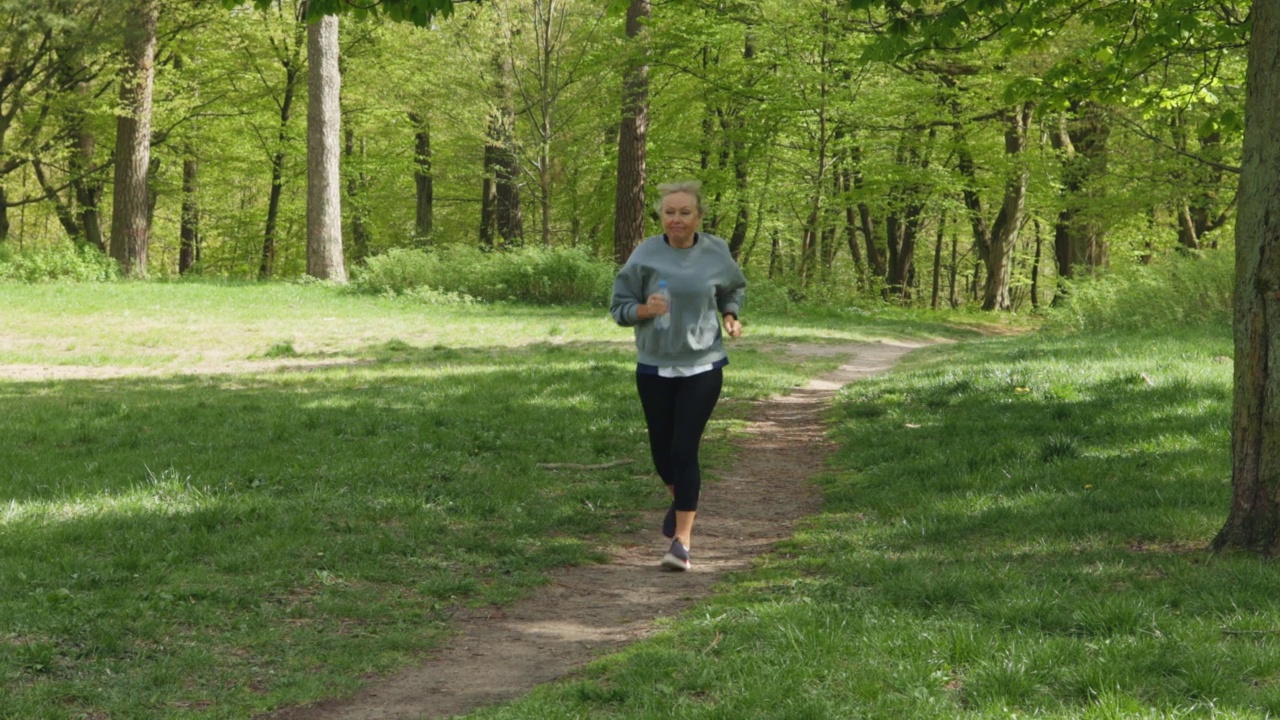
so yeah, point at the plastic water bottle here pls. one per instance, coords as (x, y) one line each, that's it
(662, 322)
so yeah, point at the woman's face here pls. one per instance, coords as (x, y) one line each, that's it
(680, 217)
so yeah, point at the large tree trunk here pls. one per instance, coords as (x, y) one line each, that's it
(423, 179)
(130, 229)
(1004, 232)
(628, 222)
(324, 153)
(1254, 521)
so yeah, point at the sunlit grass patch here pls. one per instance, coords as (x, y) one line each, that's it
(221, 542)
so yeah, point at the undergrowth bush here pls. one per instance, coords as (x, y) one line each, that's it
(63, 262)
(456, 273)
(1172, 291)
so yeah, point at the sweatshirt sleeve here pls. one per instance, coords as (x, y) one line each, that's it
(729, 296)
(628, 287)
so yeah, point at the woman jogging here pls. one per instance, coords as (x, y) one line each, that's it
(676, 290)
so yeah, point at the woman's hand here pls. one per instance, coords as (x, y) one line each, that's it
(732, 326)
(655, 306)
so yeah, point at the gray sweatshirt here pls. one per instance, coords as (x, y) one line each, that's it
(705, 283)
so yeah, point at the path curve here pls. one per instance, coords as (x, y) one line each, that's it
(583, 612)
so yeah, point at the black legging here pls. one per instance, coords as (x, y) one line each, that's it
(676, 411)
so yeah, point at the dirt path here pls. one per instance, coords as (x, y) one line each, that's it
(586, 611)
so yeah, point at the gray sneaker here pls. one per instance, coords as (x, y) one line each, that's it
(677, 558)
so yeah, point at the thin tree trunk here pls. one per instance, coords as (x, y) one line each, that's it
(875, 260)
(937, 262)
(292, 63)
(357, 181)
(842, 178)
(489, 185)
(4, 214)
(324, 153)
(953, 298)
(66, 216)
(423, 178)
(775, 254)
(628, 224)
(1035, 268)
(1254, 520)
(189, 229)
(130, 229)
(88, 189)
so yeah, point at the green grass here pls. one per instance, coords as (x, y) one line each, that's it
(309, 509)
(1012, 528)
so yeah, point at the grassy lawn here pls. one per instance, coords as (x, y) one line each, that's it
(1013, 528)
(211, 544)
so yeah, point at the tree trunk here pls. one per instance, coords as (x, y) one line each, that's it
(130, 229)
(1201, 211)
(1035, 268)
(189, 229)
(292, 63)
(954, 298)
(1254, 520)
(875, 260)
(423, 179)
(507, 179)
(66, 216)
(324, 153)
(1004, 232)
(1081, 142)
(628, 223)
(842, 178)
(775, 254)
(88, 189)
(937, 262)
(489, 192)
(4, 213)
(902, 226)
(357, 181)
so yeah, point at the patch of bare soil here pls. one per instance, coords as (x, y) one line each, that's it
(500, 654)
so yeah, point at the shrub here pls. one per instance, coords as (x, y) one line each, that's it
(1172, 291)
(63, 262)
(395, 272)
(454, 273)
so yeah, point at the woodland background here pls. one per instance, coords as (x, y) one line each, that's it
(845, 152)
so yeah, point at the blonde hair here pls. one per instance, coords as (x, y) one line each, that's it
(692, 187)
